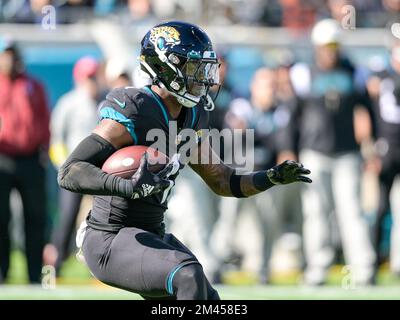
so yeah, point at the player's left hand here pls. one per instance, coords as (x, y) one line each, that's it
(287, 172)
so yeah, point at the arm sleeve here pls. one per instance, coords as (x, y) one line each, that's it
(81, 172)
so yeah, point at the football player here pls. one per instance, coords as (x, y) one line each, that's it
(125, 244)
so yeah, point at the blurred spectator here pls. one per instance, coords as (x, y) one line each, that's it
(117, 74)
(366, 13)
(290, 208)
(369, 13)
(331, 124)
(384, 88)
(256, 12)
(285, 92)
(392, 8)
(24, 139)
(219, 12)
(111, 74)
(298, 15)
(337, 9)
(263, 113)
(31, 11)
(73, 118)
(139, 14)
(105, 7)
(72, 11)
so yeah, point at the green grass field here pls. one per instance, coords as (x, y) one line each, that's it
(100, 292)
(76, 283)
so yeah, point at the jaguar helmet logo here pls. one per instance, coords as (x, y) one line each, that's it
(164, 37)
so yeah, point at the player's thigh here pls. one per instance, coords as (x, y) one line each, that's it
(134, 260)
(112, 262)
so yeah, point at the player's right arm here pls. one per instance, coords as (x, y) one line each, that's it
(81, 172)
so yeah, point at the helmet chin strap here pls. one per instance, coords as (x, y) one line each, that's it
(209, 103)
(185, 102)
(188, 103)
(206, 101)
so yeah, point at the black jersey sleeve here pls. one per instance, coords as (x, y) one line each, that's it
(120, 106)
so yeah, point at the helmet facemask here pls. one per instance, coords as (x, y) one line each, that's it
(198, 76)
(188, 79)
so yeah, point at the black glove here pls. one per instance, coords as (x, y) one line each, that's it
(146, 183)
(288, 172)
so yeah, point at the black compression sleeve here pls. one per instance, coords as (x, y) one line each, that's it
(81, 172)
(260, 182)
(234, 184)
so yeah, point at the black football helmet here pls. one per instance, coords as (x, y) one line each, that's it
(179, 57)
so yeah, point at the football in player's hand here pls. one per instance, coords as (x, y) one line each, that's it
(124, 162)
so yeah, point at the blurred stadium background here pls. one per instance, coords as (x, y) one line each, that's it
(53, 35)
